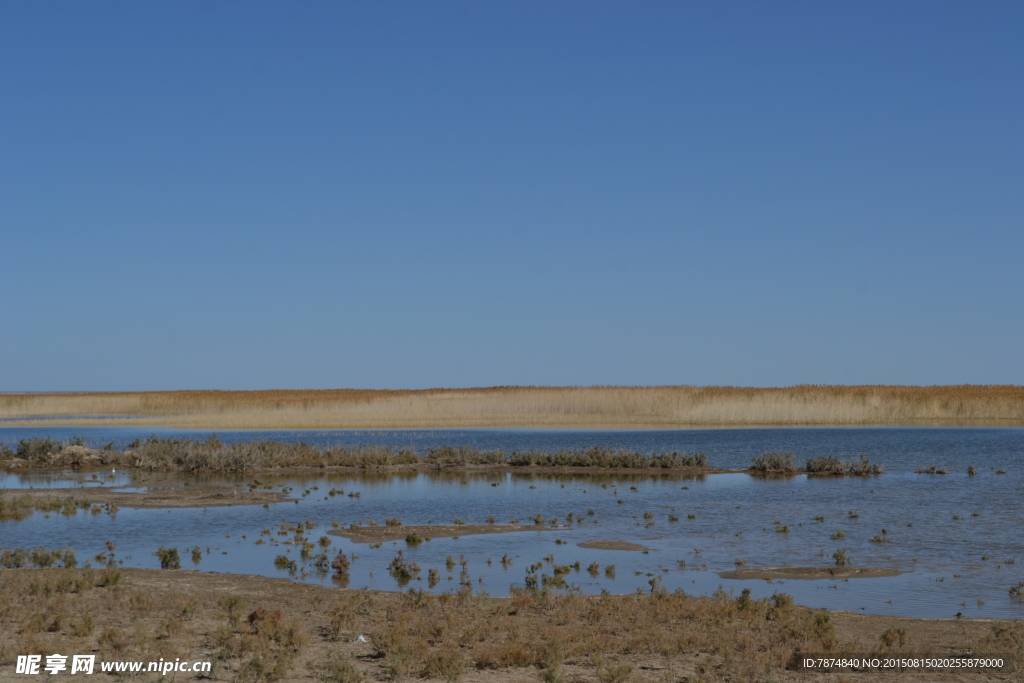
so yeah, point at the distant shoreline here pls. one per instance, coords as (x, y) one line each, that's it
(666, 407)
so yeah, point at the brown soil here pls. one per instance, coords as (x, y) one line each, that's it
(809, 573)
(376, 534)
(612, 545)
(246, 625)
(206, 495)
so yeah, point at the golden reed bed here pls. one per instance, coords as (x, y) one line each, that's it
(649, 407)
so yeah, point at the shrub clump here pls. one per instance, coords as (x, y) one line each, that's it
(830, 465)
(401, 570)
(604, 457)
(341, 563)
(774, 462)
(169, 558)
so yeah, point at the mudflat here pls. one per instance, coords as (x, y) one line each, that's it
(809, 573)
(612, 545)
(205, 495)
(376, 534)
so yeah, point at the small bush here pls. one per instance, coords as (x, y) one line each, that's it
(826, 465)
(341, 563)
(774, 462)
(109, 577)
(36, 449)
(115, 639)
(613, 672)
(863, 467)
(169, 558)
(282, 562)
(401, 570)
(338, 669)
(893, 638)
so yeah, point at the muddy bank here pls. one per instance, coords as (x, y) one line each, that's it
(376, 534)
(206, 495)
(612, 545)
(809, 573)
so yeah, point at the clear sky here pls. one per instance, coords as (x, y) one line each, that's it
(245, 195)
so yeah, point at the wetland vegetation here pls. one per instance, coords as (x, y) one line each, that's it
(667, 406)
(430, 521)
(212, 455)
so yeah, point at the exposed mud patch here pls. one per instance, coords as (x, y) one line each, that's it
(376, 534)
(157, 497)
(612, 545)
(809, 573)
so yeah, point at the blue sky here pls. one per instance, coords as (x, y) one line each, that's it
(386, 195)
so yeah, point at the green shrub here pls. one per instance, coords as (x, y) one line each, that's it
(169, 558)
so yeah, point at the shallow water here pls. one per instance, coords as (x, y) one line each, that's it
(736, 516)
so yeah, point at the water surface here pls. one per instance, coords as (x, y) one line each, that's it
(958, 539)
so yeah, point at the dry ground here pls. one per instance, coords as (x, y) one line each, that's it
(259, 629)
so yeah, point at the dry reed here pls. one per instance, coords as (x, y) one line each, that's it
(666, 406)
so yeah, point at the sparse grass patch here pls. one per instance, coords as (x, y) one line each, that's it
(415, 634)
(339, 669)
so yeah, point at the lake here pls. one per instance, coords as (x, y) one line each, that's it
(957, 539)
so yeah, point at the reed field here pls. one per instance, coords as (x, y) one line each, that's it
(639, 407)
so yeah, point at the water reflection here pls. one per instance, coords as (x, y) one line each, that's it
(954, 537)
